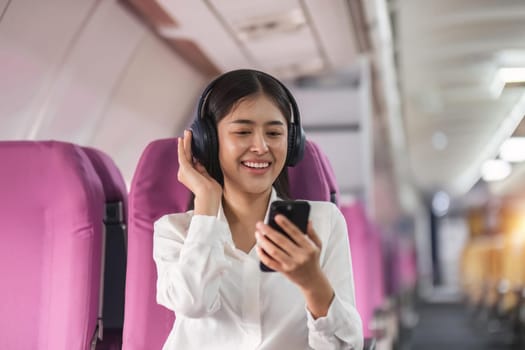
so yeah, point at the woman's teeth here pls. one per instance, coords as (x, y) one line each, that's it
(256, 165)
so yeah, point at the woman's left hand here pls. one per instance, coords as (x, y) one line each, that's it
(298, 259)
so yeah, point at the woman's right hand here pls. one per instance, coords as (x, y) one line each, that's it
(193, 175)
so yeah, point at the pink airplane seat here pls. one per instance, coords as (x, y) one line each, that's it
(329, 175)
(357, 222)
(308, 178)
(110, 177)
(51, 212)
(154, 192)
(406, 264)
(402, 269)
(367, 257)
(376, 251)
(314, 179)
(115, 220)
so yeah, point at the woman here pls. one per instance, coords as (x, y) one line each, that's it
(208, 259)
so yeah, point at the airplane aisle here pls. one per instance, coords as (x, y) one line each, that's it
(449, 326)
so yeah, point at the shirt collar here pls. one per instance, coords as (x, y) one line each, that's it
(273, 197)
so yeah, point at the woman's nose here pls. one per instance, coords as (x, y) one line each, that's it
(259, 144)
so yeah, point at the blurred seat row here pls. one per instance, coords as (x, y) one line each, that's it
(493, 271)
(76, 248)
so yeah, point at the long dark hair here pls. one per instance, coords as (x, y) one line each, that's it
(227, 91)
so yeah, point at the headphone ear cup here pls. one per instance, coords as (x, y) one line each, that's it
(291, 145)
(296, 140)
(211, 147)
(205, 145)
(301, 140)
(197, 140)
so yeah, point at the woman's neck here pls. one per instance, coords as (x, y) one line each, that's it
(242, 212)
(245, 207)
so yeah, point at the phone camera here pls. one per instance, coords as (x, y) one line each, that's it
(289, 207)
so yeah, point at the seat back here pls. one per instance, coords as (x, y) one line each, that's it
(51, 212)
(358, 224)
(407, 264)
(376, 258)
(154, 192)
(115, 221)
(314, 179)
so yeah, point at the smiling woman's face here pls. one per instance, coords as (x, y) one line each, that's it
(252, 145)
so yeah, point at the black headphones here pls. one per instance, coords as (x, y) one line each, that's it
(205, 143)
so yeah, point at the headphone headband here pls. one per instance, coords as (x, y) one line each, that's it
(295, 118)
(205, 134)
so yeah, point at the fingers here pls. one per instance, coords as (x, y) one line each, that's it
(187, 169)
(187, 146)
(180, 152)
(271, 254)
(293, 231)
(313, 235)
(186, 156)
(275, 239)
(267, 260)
(184, 149)
(285, 254)
(201, 169)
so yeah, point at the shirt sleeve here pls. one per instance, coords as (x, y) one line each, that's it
(341, 328)
(189, 254)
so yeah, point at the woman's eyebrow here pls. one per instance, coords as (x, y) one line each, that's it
(275, 122)
(250, 122)
(242, 121)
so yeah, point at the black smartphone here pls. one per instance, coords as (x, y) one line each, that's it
(296, 211)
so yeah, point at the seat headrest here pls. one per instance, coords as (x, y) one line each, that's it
(155, 190)
(110, 176)
(308, 179)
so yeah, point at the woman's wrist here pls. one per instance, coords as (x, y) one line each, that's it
(318, 296)
(206, 206)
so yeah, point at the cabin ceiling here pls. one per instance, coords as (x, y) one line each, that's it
(456, 110)
(288, 38)
(454, 113)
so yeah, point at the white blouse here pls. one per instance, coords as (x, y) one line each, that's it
(223, 301)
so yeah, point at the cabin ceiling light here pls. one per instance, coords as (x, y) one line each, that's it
(495, 170)
(513, 150)
(262, 27)
(512, 74)
(440, 203)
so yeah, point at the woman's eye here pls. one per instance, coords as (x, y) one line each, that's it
(274, 133)
(242, 132)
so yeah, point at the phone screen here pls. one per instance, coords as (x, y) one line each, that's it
(296, 211)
